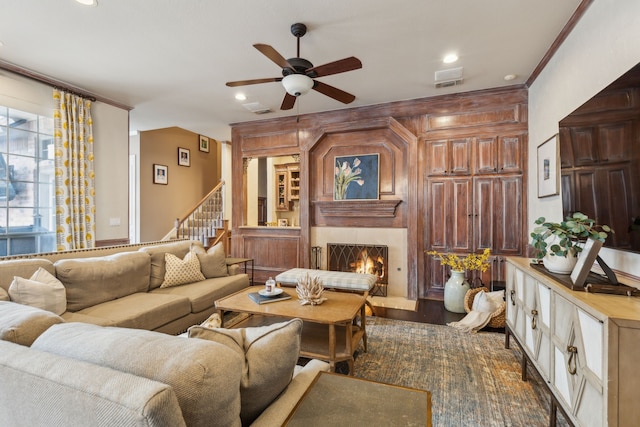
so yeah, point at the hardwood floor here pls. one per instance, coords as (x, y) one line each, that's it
(428, 311)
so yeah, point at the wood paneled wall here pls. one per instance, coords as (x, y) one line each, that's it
(399, 132)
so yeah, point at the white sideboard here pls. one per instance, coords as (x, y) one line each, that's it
(585, 346)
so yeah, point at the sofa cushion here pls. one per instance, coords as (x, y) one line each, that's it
(40, 388)
(179, 249)
(23, 268)
(270, 354)
(141, 310)
(205, 376)
(213, 262)
(203, 295)
(181, 271)
(71, 316)
(91, 281)
(42, 290)
(4, 296)
(22, 324)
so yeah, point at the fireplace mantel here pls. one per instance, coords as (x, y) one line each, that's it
(358, 208)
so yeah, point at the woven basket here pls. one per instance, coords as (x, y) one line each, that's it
(497, 317)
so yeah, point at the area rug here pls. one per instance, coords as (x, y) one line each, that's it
(473, 379)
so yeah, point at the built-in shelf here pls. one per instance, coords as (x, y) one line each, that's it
(358, 208)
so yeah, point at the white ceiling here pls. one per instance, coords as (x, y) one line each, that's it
(170, 59)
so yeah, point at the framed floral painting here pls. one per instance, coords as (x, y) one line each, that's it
(356, 177)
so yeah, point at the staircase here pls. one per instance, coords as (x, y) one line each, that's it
(205, 221)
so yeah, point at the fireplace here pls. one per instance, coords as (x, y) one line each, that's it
(352, 258)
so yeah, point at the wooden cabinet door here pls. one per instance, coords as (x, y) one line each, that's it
(449, 210)
(498, 214)
(613, 145)
(509, 156)
(584, 145)
(502, 154)
(449, 157)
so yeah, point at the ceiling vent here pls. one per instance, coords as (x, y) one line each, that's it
(449, 83)
(449, 77)
(257, 108)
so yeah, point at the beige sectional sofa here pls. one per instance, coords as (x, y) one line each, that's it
(78, 374)
(121, 285)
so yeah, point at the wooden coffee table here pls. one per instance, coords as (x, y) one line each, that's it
(331, 330)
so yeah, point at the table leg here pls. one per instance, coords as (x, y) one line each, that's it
(363, 324)
(332, 347)
(348, 339)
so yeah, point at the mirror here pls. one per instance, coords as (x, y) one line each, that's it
(273, 192)
(600, 160)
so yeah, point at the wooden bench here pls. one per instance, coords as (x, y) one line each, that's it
(340, 280)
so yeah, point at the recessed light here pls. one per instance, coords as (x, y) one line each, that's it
(241, 96)
(510, 77)
(450, 58)
(88, 2)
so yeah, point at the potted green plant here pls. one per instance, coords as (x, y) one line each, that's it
(558, 244)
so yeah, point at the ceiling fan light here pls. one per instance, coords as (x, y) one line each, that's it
(297, 84)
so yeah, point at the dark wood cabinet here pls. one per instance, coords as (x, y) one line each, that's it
(498, 154)
(449, 156)
(596, 145)
(481, 208)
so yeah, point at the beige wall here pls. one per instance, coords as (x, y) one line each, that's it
(111, 149)
(160, 205)
(602, 47)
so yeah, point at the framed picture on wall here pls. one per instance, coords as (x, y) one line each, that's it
(356, 177)
(160, 174)
(204, 144)
(184, 157)
(548, 168)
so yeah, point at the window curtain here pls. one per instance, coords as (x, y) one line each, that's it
(74, 172)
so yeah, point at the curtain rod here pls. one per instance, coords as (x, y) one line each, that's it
(57, 84)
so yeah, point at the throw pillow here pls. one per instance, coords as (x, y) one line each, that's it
(42, 290)
(213, 262)
(4, 296)
(181, 271)
(482, 303)
(270, 354)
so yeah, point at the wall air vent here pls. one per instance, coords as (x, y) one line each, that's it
(257, 108)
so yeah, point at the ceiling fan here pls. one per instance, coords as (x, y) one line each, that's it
(298, 74)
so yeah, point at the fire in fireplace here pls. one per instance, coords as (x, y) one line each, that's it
(367, 259)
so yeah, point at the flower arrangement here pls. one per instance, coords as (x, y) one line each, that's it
(345, 175)
(478, 262)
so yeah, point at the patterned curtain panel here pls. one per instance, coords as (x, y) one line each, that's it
(75, 189)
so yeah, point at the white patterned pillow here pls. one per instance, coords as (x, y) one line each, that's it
(42, 290)
(181, 271)
(483, 303)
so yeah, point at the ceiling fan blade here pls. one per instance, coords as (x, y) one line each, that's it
(333, 92)
(335, 67)
(273, 55)
(253, 82)
(288, 102)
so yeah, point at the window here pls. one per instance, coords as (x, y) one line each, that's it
(27, 193)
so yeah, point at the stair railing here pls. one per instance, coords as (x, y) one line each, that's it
(205, 221)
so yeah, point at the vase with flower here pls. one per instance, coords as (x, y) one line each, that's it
(457, 286)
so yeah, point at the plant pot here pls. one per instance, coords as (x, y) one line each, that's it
(559, 264)
(454, 291)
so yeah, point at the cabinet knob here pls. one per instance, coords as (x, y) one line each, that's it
(534, 319)
(513, 297)
(571, 363)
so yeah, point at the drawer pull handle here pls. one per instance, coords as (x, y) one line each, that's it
(534, 319)
(571, 364)
(513, 298)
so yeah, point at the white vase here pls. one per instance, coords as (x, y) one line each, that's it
(454, 291)
(559, 264)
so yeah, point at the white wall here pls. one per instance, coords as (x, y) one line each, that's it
(111, 141)
(603, 46)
